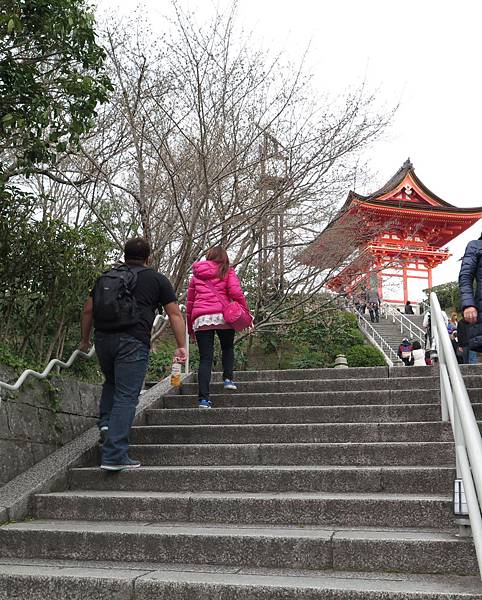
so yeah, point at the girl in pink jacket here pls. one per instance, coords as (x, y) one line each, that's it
(204, 313)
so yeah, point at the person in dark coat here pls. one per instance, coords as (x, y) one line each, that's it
(372, 299)
(408, 308)
(457, 348)
(405, 352)
(470, 271)
(469, 356)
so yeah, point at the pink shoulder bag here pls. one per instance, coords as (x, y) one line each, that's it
(234, 314)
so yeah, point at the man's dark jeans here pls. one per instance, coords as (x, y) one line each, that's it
(123, 360)
(205, 342)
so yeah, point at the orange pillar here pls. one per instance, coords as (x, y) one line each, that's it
(405, 285)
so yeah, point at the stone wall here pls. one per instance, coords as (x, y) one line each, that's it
(40, 418)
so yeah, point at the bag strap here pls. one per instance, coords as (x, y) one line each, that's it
(212, 287)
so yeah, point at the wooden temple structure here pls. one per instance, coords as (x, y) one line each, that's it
(389, 240)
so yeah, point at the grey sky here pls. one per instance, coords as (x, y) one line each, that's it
(425, 54)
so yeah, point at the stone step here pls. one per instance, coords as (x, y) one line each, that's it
(302, 374)
(299, 399)
(282, 478)
(275, 508)
(307, 414)
(381, 454)
(87, 580)
(330, 373)
(361, 549)
(350, 373)
(292, 433)
(326, 385)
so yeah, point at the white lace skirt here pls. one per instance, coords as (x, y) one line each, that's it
(209, 321)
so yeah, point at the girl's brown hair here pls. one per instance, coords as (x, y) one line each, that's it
(218, 254)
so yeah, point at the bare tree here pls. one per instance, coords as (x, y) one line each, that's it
(206, 140)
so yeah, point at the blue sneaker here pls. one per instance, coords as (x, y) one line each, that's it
(204, 403)
(229, 385)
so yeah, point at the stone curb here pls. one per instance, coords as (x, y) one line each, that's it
(51, 473)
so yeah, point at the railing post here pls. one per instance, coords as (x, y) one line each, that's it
(186, 368)
(446, 397)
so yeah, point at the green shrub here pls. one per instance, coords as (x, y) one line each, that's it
(363, 355)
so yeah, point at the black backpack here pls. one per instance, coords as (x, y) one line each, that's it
(114, 305)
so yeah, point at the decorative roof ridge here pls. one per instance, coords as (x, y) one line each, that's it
(406, 169)
(418, 207)
(397, 179)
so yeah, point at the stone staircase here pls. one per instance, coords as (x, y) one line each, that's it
(391, 333)
(314, 485)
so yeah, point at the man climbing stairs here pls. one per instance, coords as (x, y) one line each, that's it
(315, 484)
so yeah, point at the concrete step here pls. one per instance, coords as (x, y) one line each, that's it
(361, 549)
(378, 413)
(301, 374)
(299, 399)
(275, 508)
(327, 385)
(379, 453)
(87, 580)
(292, 433)
(266, 478)
(351, 373)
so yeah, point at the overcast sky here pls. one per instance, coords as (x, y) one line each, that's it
(425, 54)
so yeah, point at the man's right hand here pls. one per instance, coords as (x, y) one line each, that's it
(181, 355)
(470, 315)
(84, 346)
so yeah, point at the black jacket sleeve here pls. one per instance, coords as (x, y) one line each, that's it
(463, 333)
(467, 274)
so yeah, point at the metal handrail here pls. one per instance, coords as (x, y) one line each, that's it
(53, 363)
(65, 365)
(457, 408)
(391, 357)
(186, 334)
(414, 330)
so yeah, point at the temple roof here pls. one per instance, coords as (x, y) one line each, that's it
(424, 198)
(405, 201)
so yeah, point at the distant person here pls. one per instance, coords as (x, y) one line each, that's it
(452, 324)
(359, 304)
(213, 285)
(457, 348)
(372, 299)
(430, 338)
(405, 352)
(469, 356)
(408, 308)
(122, 307)
(418, 355)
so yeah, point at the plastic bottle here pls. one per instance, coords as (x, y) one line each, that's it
(176, 373)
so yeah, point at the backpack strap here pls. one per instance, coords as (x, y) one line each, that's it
(134, 270)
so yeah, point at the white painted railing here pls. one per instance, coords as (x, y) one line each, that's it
(407, 327)
(186, 334)
(55, 362)
(389, 354)
(457, 408)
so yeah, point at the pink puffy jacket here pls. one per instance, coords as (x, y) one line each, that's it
(201, 299)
